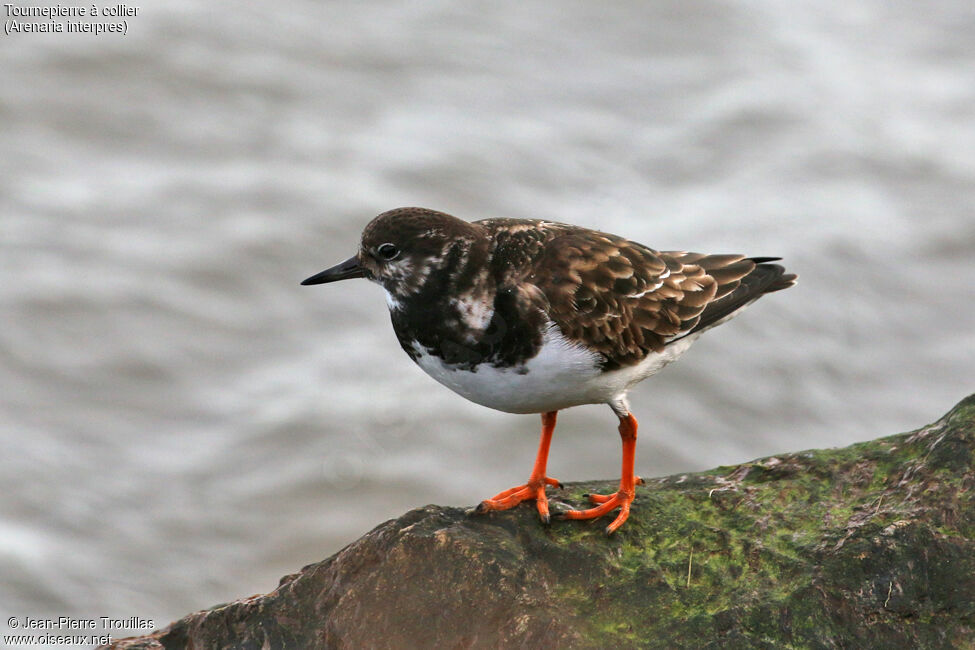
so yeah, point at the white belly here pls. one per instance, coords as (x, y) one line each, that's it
(561, 375)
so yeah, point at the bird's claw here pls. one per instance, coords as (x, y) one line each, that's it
(534, 490)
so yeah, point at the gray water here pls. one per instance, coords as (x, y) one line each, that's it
(182, 423)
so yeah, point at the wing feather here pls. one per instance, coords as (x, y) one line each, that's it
(619, 298)
(626, 300)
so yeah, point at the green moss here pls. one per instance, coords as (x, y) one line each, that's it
(788, 550)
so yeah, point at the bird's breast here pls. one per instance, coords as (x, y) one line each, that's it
(559, 375)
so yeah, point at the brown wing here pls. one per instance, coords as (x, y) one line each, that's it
(624, 300)
(620, 298)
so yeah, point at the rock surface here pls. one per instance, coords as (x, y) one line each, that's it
(872, 545)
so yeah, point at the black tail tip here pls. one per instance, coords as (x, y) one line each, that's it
(763, 260)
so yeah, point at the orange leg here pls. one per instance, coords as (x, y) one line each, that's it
(535, 487)
(628, 482)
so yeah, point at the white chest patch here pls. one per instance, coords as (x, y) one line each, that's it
(476, 313)
(391, 301)
(561, 375)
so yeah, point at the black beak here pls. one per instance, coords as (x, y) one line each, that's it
(348, 269)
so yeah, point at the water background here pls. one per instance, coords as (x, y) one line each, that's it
(182, 424)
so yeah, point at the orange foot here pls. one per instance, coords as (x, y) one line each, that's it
(534, 489)
(621, 499)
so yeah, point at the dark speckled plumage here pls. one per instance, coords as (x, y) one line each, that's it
(618, 298)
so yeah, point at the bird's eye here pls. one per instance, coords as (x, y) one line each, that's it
(388, 251)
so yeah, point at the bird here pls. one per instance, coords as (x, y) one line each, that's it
(533, 316)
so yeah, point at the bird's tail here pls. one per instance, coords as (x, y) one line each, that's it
(742, 287)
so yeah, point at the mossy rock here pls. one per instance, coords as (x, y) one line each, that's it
(866, 546)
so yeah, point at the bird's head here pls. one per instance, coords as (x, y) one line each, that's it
(401, 248)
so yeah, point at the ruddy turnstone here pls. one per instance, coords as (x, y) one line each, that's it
(530, 316)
